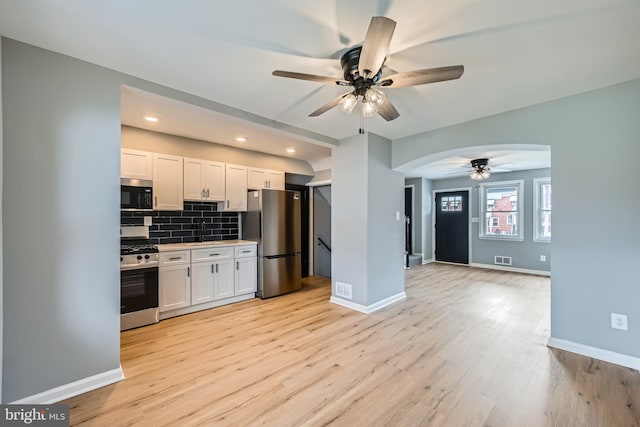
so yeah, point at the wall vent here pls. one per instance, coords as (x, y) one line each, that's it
(502, 260)
(343, 290)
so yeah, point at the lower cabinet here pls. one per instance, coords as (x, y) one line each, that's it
(204, 278)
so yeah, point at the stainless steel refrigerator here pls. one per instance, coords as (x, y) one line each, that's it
(273, 220)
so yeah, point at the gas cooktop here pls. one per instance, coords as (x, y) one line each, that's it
(142, 248)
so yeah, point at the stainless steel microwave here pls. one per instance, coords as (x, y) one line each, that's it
(136, 194)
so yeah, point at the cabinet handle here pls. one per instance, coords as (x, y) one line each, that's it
(227, 204)
(214, 254)
(202, 193)
(156, 201)
(174, 258)
(245, 252)
(207, 193)
(269, 183)
(237, 265)
(188, 272)
(211, 268)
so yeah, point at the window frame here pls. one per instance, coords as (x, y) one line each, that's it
(482, 190)
(537, 208)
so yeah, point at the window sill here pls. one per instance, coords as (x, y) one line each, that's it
(503, 238)
(542, 240)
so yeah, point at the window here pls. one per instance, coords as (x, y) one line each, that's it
(451, 204)
(501, 204)
(542, 210)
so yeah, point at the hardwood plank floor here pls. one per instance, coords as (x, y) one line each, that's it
(466, 348)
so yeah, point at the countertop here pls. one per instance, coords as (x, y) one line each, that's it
(201, 245)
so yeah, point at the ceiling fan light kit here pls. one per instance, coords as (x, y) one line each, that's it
(362, 69)
(481, 170)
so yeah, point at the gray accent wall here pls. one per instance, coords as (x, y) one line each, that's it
(525, 254)
(594, 146)
(367, 240)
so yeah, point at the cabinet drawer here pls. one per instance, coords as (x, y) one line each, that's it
(201, 255)
(174, 258)
(245, 251)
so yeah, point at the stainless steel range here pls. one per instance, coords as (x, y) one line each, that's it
(138, 278)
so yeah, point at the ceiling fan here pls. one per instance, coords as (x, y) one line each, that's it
(481, 169)
(362, 67)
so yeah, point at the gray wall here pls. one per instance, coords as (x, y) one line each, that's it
(61, 176)
(525, 254)
(60, 183)
(368, 241)
(594, 146)
(1, 241)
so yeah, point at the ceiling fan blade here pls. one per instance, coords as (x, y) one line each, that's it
(329, 105)
(388, 111)
(375, 46)
(420, 77)
(311, 77)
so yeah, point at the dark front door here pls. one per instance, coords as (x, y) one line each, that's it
(452, 227)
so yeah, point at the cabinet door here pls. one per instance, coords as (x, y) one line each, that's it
(167, 182)
(136, 164)
(224, 279)
(256, 178)
(246, 278)
(275, 180)
(194, 171)
(214, 184)
(236, 188)
(174, 287)
(202, 283)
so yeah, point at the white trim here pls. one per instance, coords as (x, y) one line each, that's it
(536, 208)
(413, 216)
(595, 353)
(367, 309)
(513, 269)
(427, 261)
(319, 183)
(75, 388)
(433, 219)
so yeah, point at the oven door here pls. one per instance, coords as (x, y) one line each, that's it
(138, 289)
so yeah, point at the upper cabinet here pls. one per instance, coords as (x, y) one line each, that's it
(204, 180)
(258, 178)
(236, 188)
(136, 164)
(167, 182)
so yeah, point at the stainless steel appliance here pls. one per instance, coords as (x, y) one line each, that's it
(136, 194)
(273, 220)
(138, 278)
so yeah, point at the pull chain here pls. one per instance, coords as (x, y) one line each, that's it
(361, 130)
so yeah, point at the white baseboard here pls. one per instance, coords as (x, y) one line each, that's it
(427, 261)
(75, 388)
(513, 269)
(595, 352)
(367, 309)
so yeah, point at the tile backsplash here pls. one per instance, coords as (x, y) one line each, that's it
(187, 225)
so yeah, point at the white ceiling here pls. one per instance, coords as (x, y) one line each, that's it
(515, 52)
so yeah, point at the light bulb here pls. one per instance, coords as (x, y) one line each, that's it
(348, 103)
(374, 96)
(368, 110)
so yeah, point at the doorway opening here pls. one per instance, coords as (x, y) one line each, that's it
(322, 231)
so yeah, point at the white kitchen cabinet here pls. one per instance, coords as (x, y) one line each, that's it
(224, 279)
(246, 275)
(235, 188)
(204, 180)
(136, 164)
(167, 182)
(211, 274)
(202, 282)
(258, 178)
(246, 278)
(174, 280)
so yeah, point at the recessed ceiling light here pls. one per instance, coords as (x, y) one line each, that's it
(241, 139)
(151, 119)
(291, 150)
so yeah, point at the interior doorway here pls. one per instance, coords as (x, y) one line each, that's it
(451, 227)
(322, 231)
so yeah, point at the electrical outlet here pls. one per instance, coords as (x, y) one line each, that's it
(619, 321)
(397, 215)
(543, 258)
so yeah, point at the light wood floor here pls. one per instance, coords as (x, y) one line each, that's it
(466, 348)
